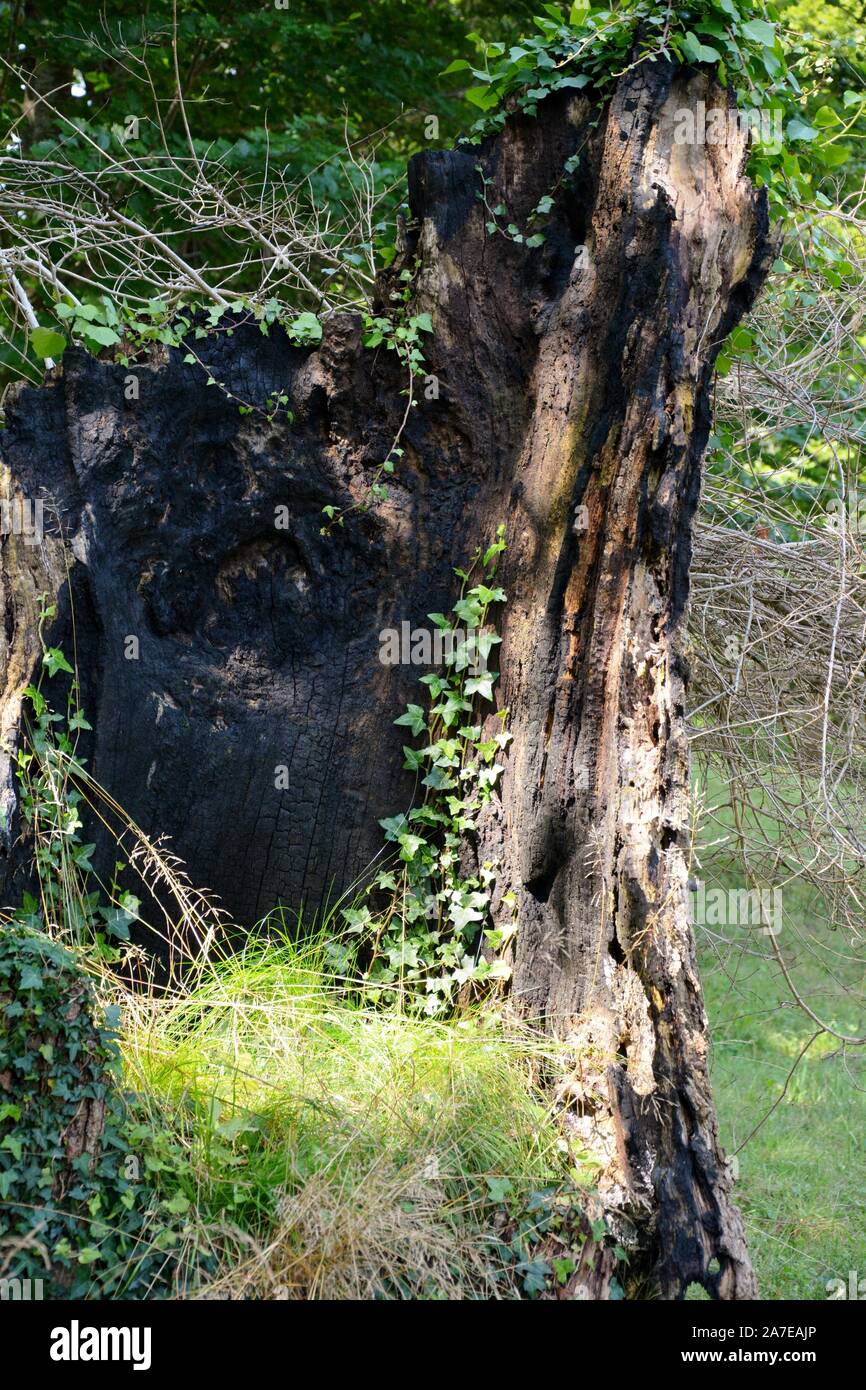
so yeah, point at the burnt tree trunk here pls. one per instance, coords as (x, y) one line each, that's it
(574, 405)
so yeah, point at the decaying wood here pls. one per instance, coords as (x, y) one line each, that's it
(573, 404)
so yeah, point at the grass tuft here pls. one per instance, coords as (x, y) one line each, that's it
(332, 1150)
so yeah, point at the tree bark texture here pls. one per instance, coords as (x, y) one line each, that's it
(574, 405)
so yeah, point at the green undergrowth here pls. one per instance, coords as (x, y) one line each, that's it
(334, 1150)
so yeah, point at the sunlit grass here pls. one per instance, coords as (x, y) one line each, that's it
(334, 1150)
(801, 1174)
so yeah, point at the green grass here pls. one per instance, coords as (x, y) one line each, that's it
(321, 1148)
(335, 1151)
(801, 1176)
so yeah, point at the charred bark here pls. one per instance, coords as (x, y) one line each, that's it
(574, 404)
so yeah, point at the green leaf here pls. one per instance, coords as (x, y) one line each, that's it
(481, 685)
(414, 718)
(96, 333)
(117, 922)
(410, 845)
(832, 156)
(54, 660)
(798, 130)
(498, 1189)
(413, 759)
(826, 116)
(305, 329)
(469, 610)
(81, 857)
(484, 97)
(393, 826)
(742, 339)
(759, 31)
(462, 917)
(177, 1205)
(46, 343)
(698, 52)
(459, 65)
(438, 779)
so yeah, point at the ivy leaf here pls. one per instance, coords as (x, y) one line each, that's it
(488, 596)
(393, 826)
(359, 917)
(117, 922)
(463, 916)
(481, 685)
(414, 718)
(36, 699)
(82, 855)
(305, 329)
(438, 779)
(14, 1145)
(54, 659)
(469, 610)
(498, 1189)
(410, 845)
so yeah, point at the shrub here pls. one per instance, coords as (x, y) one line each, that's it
(78, 1205)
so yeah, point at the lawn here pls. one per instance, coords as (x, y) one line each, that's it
(801, 1174)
